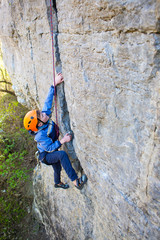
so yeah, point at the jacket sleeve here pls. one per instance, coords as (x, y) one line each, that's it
(46, 143)
(48, 102)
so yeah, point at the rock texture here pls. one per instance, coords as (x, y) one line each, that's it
(108, 51)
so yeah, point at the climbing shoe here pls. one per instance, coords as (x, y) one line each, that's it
(81, 181)
(62, 185)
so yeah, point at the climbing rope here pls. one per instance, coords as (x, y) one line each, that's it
(55, 93)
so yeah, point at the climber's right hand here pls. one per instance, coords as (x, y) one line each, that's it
(58, 79)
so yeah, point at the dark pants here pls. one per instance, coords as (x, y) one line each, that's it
(58, 158)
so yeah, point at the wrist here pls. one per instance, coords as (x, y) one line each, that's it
(62, 141)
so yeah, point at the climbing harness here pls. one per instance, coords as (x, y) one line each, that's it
(55, 93)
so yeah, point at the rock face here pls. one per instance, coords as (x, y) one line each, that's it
(109, 53)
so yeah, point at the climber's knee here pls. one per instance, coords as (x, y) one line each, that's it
(63, 155)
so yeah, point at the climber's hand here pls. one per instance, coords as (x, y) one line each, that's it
(58, 79)
(66, 138)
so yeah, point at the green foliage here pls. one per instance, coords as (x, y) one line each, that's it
(16, 145)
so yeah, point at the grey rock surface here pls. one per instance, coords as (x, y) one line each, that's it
(108, 52)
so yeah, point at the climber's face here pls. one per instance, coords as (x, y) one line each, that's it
(42, 117)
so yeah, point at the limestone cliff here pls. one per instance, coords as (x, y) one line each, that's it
(109, 54)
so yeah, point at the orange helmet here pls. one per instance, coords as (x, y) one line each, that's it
(30, 120)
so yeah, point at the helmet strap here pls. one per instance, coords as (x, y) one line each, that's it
(40, 121)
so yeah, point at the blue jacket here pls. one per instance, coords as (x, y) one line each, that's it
(46, 138)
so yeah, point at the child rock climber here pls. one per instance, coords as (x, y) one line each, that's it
(39, 124)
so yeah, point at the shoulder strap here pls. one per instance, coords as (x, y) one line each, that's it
(49, 127)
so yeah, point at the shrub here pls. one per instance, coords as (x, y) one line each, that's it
(16, 148)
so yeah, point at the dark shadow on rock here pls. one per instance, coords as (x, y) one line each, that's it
(63, 114)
